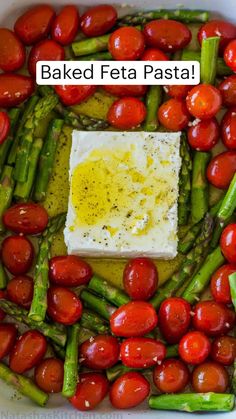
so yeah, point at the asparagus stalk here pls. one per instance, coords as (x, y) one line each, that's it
(46, 160)
(185, 182)
(97, 304)
(90, 45)
(115, 372)
(172, 351)
(193, 402)
(199, 195)
(14, 115)
(92, 321)
(71, 362)
(3, 277)
(209, 55)
(24, 385)
(153, 101)
(232, 283)
(221, 68)
(187, 16)
(112, 294)
(6, 191)
(98, 56)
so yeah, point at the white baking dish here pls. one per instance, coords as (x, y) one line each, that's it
(11, 406)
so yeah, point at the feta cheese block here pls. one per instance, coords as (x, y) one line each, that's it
(123, 194)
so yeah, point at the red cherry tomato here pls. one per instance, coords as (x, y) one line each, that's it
(221, 169)
(49, 375)
(2, 314)
(126, 44)
(73, 95)
(154, 54)
(34, 25)
(28, 351)
(220, 289)
(142, 352)
(126, 113)
(91, 390)
(204, 135)
(100, 352)
(230, 55)
(125, 90)
(171, 376)
(230, 320)
(228, 129)
(173, 115)
(136, 318)
(63, 305)
(26, 218)
(204, 101)
(223, 350)
(177, 92)
(20, 291)
(227, 89)
(8, 333)
(210, 318)
(225, 30)
(17, 254)
(98, 20)
(194, 347)
(129, 390)
(69, 271)
(9, 42)
(4, 126)
(168, 35)
(228, 243)
(46, 50)
(140, 279)
(14, 89)
(66, 25)
(210, 377)
(174, 318)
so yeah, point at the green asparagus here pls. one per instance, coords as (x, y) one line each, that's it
(182, 15)
(153, 101)
(90, 45)
(97, 304)
(3, 277)
(172, 351)
(71, 362)
(184, 182)
(99, 56)
(115, 372)
(199, 195)
(111, 293)
(92, 321)
(14, 115)
(209, 56)
(6, 192)
(221, 69)
(187, 242)
(232, 283)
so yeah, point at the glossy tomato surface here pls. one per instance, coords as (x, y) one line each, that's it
(126, 113)
(20, 290)
(98, 20)
(177, 91)
(91, 389)
(9, 42)
(154, 54)
(17, 254)
(100, 352)
(230, 55)
(8, 333)
(46, 50)
(63, 305)
(126, 90)
(171, 376)
(140, 278)
(228, 91)
(228, 129)
(26, 218)
(69, 271)
(194, 347)
(173, 114)
(142, 352)
(174, 318)
(224, 350)
(225, 30)
(126, 44)
(210, 377)
(49, 375)
(210, 317)
(15, 89)
(204, 135)
(228, 243)
(204, 101)
(66, 25)
(28, 351)
(4, 126)
(220, 289)
(221, 169)
(129, 390)
(73, 95)
(168, 35)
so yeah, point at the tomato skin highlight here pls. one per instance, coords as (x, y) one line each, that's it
(92, 388)
(26, 218)
(100, 352)
(46, 50)
(203, 101)
(20, 291)
(220, 289)
(204, 135)
(66, 25)
(210, 377)
(125, 90)
(171, 376)
(142, 352)
(177, 91)
(126, 113)
(129, 390)
(230, 55)
(98, 20)
(126, 44)
(69, 271)
(4, 126)
(228, 243)
(8, 334)
(136, 318)
(73, 95)
(17, 254)
(154, 54)
(221, 169)
(174, 318)
(15, 89)
(224, 350)
(210, 318)
(63, 305)
(140, 279)
(168, 35)
(222, 28)
(228, 129)
(34, 25)
(194, 347)
(49, 375)
(173, 115)
(9, 42)
(28, 351)
(227, 89)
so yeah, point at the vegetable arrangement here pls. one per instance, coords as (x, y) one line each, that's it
(103, 339)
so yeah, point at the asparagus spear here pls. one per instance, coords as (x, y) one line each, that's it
(71, 362)
(3, 277)
(92, 321)
(187, 16)
(153, 101)
(112, 294)
(6, 191)
(90, 45)
(199, 195)
(172, 351)
(97, 304)
(98, 56)
(24, 385)
(193, 402)
(209, 55)
(221, 68)
(232, 283)
(14, 115)
(185, 182)
(47, 157)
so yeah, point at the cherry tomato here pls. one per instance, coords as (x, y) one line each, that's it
(26, 218)
(20, 291)
(98, 20)
(126, 113)
(69, 271)
(4, 126)
(174, 318)
(28, 351)
(142, 352)
(9, 42)
(34, 25)
(171, 376)
(17, 254)
(228, 243)
(228, 129)
(154, 54)
(224, 350)
(14, 89)
(140, 279)
(66, 25)
(49, 375)
(210, 317)
(220, 289)
(204, 101)
(100, 352)
(221, 169)
(204, 135)
(210, 377)
(125, 90)
(168, 35)
(126, 44)
(227, 89)
(230, 55)
(225, 30)
(194, 347)
(63, 305)
(91, 390)
(46, 50)
(177, 92)
(173, 115)
(2, 314)
(129, 390)
(73, 95)
(8, 333)
(230, 320)
(136, 318)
